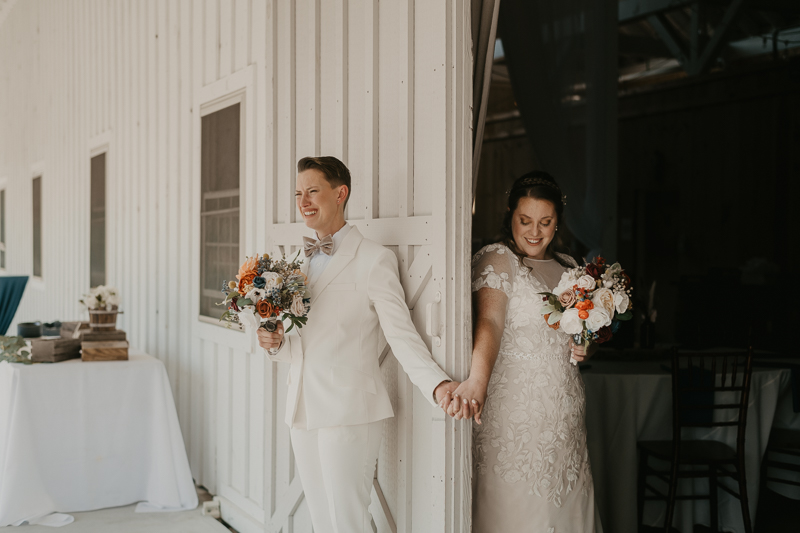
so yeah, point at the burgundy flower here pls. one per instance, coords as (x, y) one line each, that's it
(594, 270)
(603, 335)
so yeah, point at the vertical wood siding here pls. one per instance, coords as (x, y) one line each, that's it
(380, 85)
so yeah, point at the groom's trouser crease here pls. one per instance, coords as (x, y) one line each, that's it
(336, 467)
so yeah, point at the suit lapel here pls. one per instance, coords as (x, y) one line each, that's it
(304, 267)
(341, 258)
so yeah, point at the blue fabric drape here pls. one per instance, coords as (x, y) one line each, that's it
(11, 289)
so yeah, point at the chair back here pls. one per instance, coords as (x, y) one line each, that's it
(698, 378)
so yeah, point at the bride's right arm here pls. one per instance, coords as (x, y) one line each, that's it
(492, 277)
(490, 305)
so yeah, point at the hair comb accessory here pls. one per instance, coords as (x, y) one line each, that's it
(534, 182)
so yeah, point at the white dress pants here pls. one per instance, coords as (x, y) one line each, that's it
(336, 467)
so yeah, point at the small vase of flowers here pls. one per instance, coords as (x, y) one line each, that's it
(102, 303)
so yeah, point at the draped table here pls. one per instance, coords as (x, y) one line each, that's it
(631, 401)
(80, 436)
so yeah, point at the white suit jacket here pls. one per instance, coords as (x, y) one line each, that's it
(335, 356)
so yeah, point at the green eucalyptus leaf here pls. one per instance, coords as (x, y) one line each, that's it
(627, 315)
(547, 309)
(555, 316)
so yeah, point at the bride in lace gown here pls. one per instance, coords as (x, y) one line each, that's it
(532, 465)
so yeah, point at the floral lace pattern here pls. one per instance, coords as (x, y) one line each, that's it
(533, 429)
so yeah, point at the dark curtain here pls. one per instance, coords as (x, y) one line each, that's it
(561, 59)
(484, 33)
(11, 289)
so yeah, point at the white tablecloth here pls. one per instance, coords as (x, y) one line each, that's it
(631, 401)
(78, 436)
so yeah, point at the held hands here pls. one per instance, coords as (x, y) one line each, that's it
(270, 341)
(579, 352)
(466, 401)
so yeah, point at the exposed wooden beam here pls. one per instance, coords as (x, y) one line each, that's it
(633, 10)
(711, 49)
(668, 37)
(697, 32)
(786, 7)
(698, 58)
(632, 45)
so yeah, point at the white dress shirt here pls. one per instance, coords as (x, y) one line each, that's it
(320, 260)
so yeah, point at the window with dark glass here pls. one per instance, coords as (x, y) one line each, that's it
(2, 229)
(219, 209)
(97, 229)
(37, 226)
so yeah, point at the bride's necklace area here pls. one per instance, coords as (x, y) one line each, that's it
(534, 266)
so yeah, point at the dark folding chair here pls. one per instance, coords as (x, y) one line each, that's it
(696, 378)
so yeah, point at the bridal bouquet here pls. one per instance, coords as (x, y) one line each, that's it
(589, 302)
(264, 290)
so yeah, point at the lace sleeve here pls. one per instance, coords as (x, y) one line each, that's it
(492, 267)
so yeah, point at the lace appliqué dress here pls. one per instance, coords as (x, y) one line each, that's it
(532, 464)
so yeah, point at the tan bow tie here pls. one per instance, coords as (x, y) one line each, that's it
(324, 245)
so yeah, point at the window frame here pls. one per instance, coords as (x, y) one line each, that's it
(38, 170)
(4, 224)
(233, 89)
(206, 111)
(97, 146)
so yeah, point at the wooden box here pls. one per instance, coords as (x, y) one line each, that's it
(68, 329)
(55, 350)
(103, 335)
(104, 351)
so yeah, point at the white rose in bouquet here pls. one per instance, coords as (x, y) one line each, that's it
(604, 299)
(273, 279)
(598, 318)
(567, 281)
(586, 282)
(571, 323)
(621, 302)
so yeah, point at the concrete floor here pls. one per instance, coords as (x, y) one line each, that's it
(125, 520)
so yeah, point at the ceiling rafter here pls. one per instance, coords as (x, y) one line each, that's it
(702, 49)
(634, 10)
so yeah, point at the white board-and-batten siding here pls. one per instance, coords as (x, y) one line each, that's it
(381, 85)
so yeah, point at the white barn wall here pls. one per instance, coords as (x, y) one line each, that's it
(383, 85)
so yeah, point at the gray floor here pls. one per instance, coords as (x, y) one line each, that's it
(125, 520)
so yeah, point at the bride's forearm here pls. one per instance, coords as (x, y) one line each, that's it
(485, 348)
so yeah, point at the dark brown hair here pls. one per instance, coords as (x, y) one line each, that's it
(542, 186)
(335, 172)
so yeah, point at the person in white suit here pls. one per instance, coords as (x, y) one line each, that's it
(337, 400)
